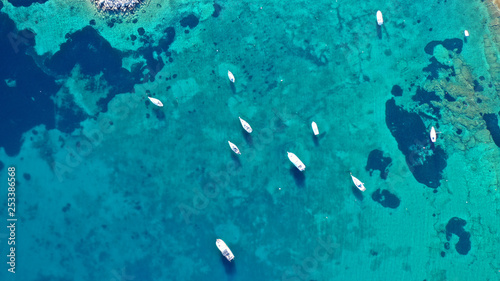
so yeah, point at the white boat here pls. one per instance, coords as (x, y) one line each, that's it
(380, 19)
(156, 102)
(296, 161)
(245, 125)
(234, 147)
(466, 33)
(224, 249)
(433, 134)
(358, 183)
(231, 76)
(315, 128)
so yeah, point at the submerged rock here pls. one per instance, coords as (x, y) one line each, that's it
(449, 98)
(454, 45)
(413, 140)
(435, 66)
(90, 50)
(491, 120)
(25, 3)
(217, 10)
(386, 199)
(190, 21)
(377, 161)
(456, 226)
(396, 91)
(424, 97)
(441, 59)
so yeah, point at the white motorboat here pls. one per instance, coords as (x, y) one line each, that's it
(224, 249)
(234, 147)
(296, 161)
(315, 128)
(156, 102)
(433, 134)
(380, 19)
(466, 33)
(358, 183)
(231, 76)
(245, 125)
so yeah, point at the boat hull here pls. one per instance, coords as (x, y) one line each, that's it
(433, 135)
(315, 128)
(156, 102)
(380, 19)
(224, 249)
(245, 125)
(233, 147)
(358, 183)
(231, 76)
(296, 161)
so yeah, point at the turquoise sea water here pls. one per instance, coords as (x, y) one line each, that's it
(111, 187)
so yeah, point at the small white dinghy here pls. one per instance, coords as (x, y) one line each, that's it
(380, 19)
(358, 183)
(296, 161)
(156, 102)
(466, 33)
(234, 147)
(224, 249)
(231, 76)
(433, 134)
(315, 128)
(245, 125)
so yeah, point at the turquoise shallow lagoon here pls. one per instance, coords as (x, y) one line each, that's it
(112, 187)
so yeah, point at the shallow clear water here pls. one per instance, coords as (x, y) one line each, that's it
(111, 187)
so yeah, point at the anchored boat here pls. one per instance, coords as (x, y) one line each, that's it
(358, 183)
(380, 19)
(296, 161)
(315, 128)
(231, 76)
(234, 147)
(224, 249)
(156, 102)
(433, 134)
(245, 125)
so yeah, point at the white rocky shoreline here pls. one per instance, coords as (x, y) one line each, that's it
(117, 5)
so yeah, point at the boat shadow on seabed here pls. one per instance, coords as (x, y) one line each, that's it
(379, 30)
(298, 176)
(248, 138)
(233, 88)
(357, 193)
(236, 160)
(317, 138)
(229, 267)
